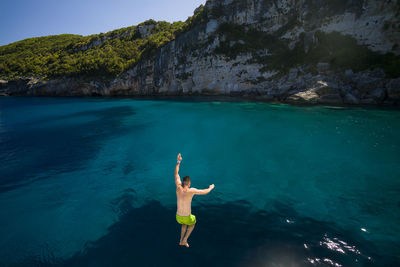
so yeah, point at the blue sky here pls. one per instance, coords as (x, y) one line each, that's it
(21, 19)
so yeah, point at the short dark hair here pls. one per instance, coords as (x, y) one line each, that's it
(186, 180)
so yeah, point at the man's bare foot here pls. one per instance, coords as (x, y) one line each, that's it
(184, 243)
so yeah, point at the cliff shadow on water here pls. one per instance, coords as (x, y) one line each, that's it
(228, 234)
(78, 138)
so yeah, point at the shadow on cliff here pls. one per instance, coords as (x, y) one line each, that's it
(229, 234)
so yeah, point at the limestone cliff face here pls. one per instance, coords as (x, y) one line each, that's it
(224, 56)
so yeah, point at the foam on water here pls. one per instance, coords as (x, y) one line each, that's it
(90, 182)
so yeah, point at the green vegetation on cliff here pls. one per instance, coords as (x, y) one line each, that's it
(102, 55)
(106, 54)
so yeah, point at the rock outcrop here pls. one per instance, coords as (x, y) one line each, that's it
(224, 56)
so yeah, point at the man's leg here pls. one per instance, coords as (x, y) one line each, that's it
(188, 232)
(183, 231)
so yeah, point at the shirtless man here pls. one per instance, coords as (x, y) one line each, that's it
(184, 195)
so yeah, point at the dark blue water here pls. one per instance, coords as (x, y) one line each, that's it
(89, 182)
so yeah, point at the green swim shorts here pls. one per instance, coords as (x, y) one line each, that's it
(188, 220)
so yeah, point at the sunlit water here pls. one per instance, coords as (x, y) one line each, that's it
(89, 182)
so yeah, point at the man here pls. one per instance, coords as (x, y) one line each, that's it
(184, 196)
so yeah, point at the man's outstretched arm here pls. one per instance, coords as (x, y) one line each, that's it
(201, 191)
(177, 177)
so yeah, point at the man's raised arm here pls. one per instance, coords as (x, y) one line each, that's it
(177, 177)
(201, 191)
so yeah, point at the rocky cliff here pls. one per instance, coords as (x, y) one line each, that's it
(316, 51)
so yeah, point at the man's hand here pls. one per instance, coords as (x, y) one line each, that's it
(179, 157)
(211, 187)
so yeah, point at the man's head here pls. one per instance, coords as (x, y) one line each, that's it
(186, 181)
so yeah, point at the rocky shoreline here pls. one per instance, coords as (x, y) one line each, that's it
(297, 87)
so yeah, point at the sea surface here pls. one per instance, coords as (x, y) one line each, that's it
(90, 182)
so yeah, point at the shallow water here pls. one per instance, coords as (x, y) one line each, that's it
(89, 181)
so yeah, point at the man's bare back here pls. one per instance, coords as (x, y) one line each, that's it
(184, 201)
(184, 195)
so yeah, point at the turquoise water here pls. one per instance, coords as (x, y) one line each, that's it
(89, 181)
